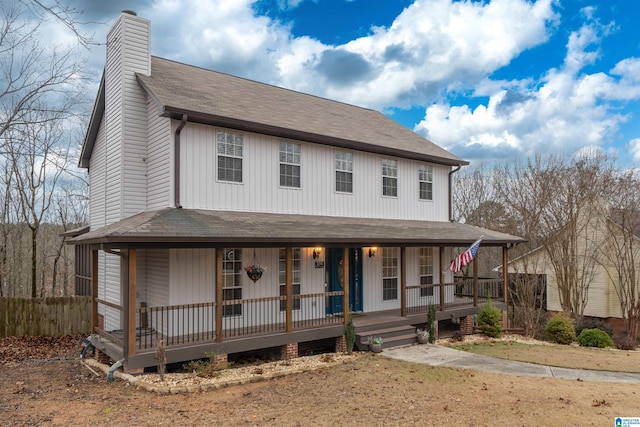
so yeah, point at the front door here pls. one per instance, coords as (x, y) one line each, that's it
(333, 273)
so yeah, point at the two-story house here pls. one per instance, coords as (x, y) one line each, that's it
(197, 175)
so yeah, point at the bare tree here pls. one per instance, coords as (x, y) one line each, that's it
(40, 96)
(38, 161)
(622, 247)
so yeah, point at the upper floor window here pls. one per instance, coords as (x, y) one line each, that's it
(289, 164)
(425, 178)
(344, 172)
(426, 272)
(389, 274)
(229, 157)
(295, 275)
(389, 177)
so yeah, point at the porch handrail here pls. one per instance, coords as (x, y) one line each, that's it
(190, 323)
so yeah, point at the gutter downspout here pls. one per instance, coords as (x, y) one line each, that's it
(451, 192)
(176, 162)
(113, 369)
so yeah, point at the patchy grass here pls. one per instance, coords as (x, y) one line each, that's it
(564, 356)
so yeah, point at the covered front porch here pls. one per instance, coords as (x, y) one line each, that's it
(282, 312)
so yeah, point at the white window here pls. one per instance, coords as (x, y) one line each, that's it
(289, 165)
(229, 157)
(426, 271)
(425, 178)
(389, 274)
(232, 280)
(344, 172)
(295, 274)
(389, 177)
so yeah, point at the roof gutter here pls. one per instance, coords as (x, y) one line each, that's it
(451, 192)
(176, 161)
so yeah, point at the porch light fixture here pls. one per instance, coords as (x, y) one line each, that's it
(316, 252)
(372, 252)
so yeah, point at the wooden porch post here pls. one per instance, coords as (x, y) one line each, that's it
(219, 294)
(131, 302)
(441, 256)
(289, 287)
(345, 282)
(505, 282)
(475, 280)
(403, 281)
(94, 290)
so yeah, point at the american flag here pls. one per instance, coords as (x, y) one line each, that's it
(465, 257)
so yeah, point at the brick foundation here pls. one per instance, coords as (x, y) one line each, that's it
(466, 325)
(341, 344)
(101, 357)
(289, 351)
(221, 358)
(136, 371)
(505, 320)
(435, 328)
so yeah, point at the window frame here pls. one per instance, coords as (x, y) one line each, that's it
(290, 160)
(229, 151)
(425, 176)
(232, 280)
(426, 269)
(389, 274)
(343, 166)
(389, 181)
(296, 276)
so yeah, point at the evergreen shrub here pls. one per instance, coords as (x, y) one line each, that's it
(560, 329)
(594, 338)
(490, 320)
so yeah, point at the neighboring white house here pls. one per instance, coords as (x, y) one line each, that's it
(195, 175)
(599, 246)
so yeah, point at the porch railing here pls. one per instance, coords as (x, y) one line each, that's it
(420, 297)
(193, 323)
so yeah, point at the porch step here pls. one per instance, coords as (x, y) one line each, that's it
(396, 336)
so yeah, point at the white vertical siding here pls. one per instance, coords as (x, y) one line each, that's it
(157, 277)
(97, 181)
(159, 160)
(260, 190)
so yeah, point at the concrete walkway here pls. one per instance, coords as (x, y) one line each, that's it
(437, 355)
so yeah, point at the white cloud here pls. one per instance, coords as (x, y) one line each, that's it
(563, 112)
(634, 149)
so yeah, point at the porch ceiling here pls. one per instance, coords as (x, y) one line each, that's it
(172, 227)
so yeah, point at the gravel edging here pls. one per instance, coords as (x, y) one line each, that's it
(205, 384)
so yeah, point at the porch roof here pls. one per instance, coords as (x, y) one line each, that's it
(175, 227)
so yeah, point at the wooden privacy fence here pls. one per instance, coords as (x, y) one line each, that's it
(45, 316)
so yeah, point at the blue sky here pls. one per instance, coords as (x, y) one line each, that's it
(488, 80)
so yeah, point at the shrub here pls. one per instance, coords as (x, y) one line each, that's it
(625, 342)
(349, 335)
(431, 323)
(559, 329)
(209, 367)
(490, 320)
(592, 323)
(594, 338)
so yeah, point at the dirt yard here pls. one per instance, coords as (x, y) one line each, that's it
(44, 383)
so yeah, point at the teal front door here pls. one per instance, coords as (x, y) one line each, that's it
(334, 270)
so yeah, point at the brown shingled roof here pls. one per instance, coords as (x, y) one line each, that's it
(220, 99)
(194, 227)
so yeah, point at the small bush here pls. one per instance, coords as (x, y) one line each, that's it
(560, 329)
(349, 335)
(490, 320)
(591, 323)
(625, 342)
(594, 338)
(207, 368)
